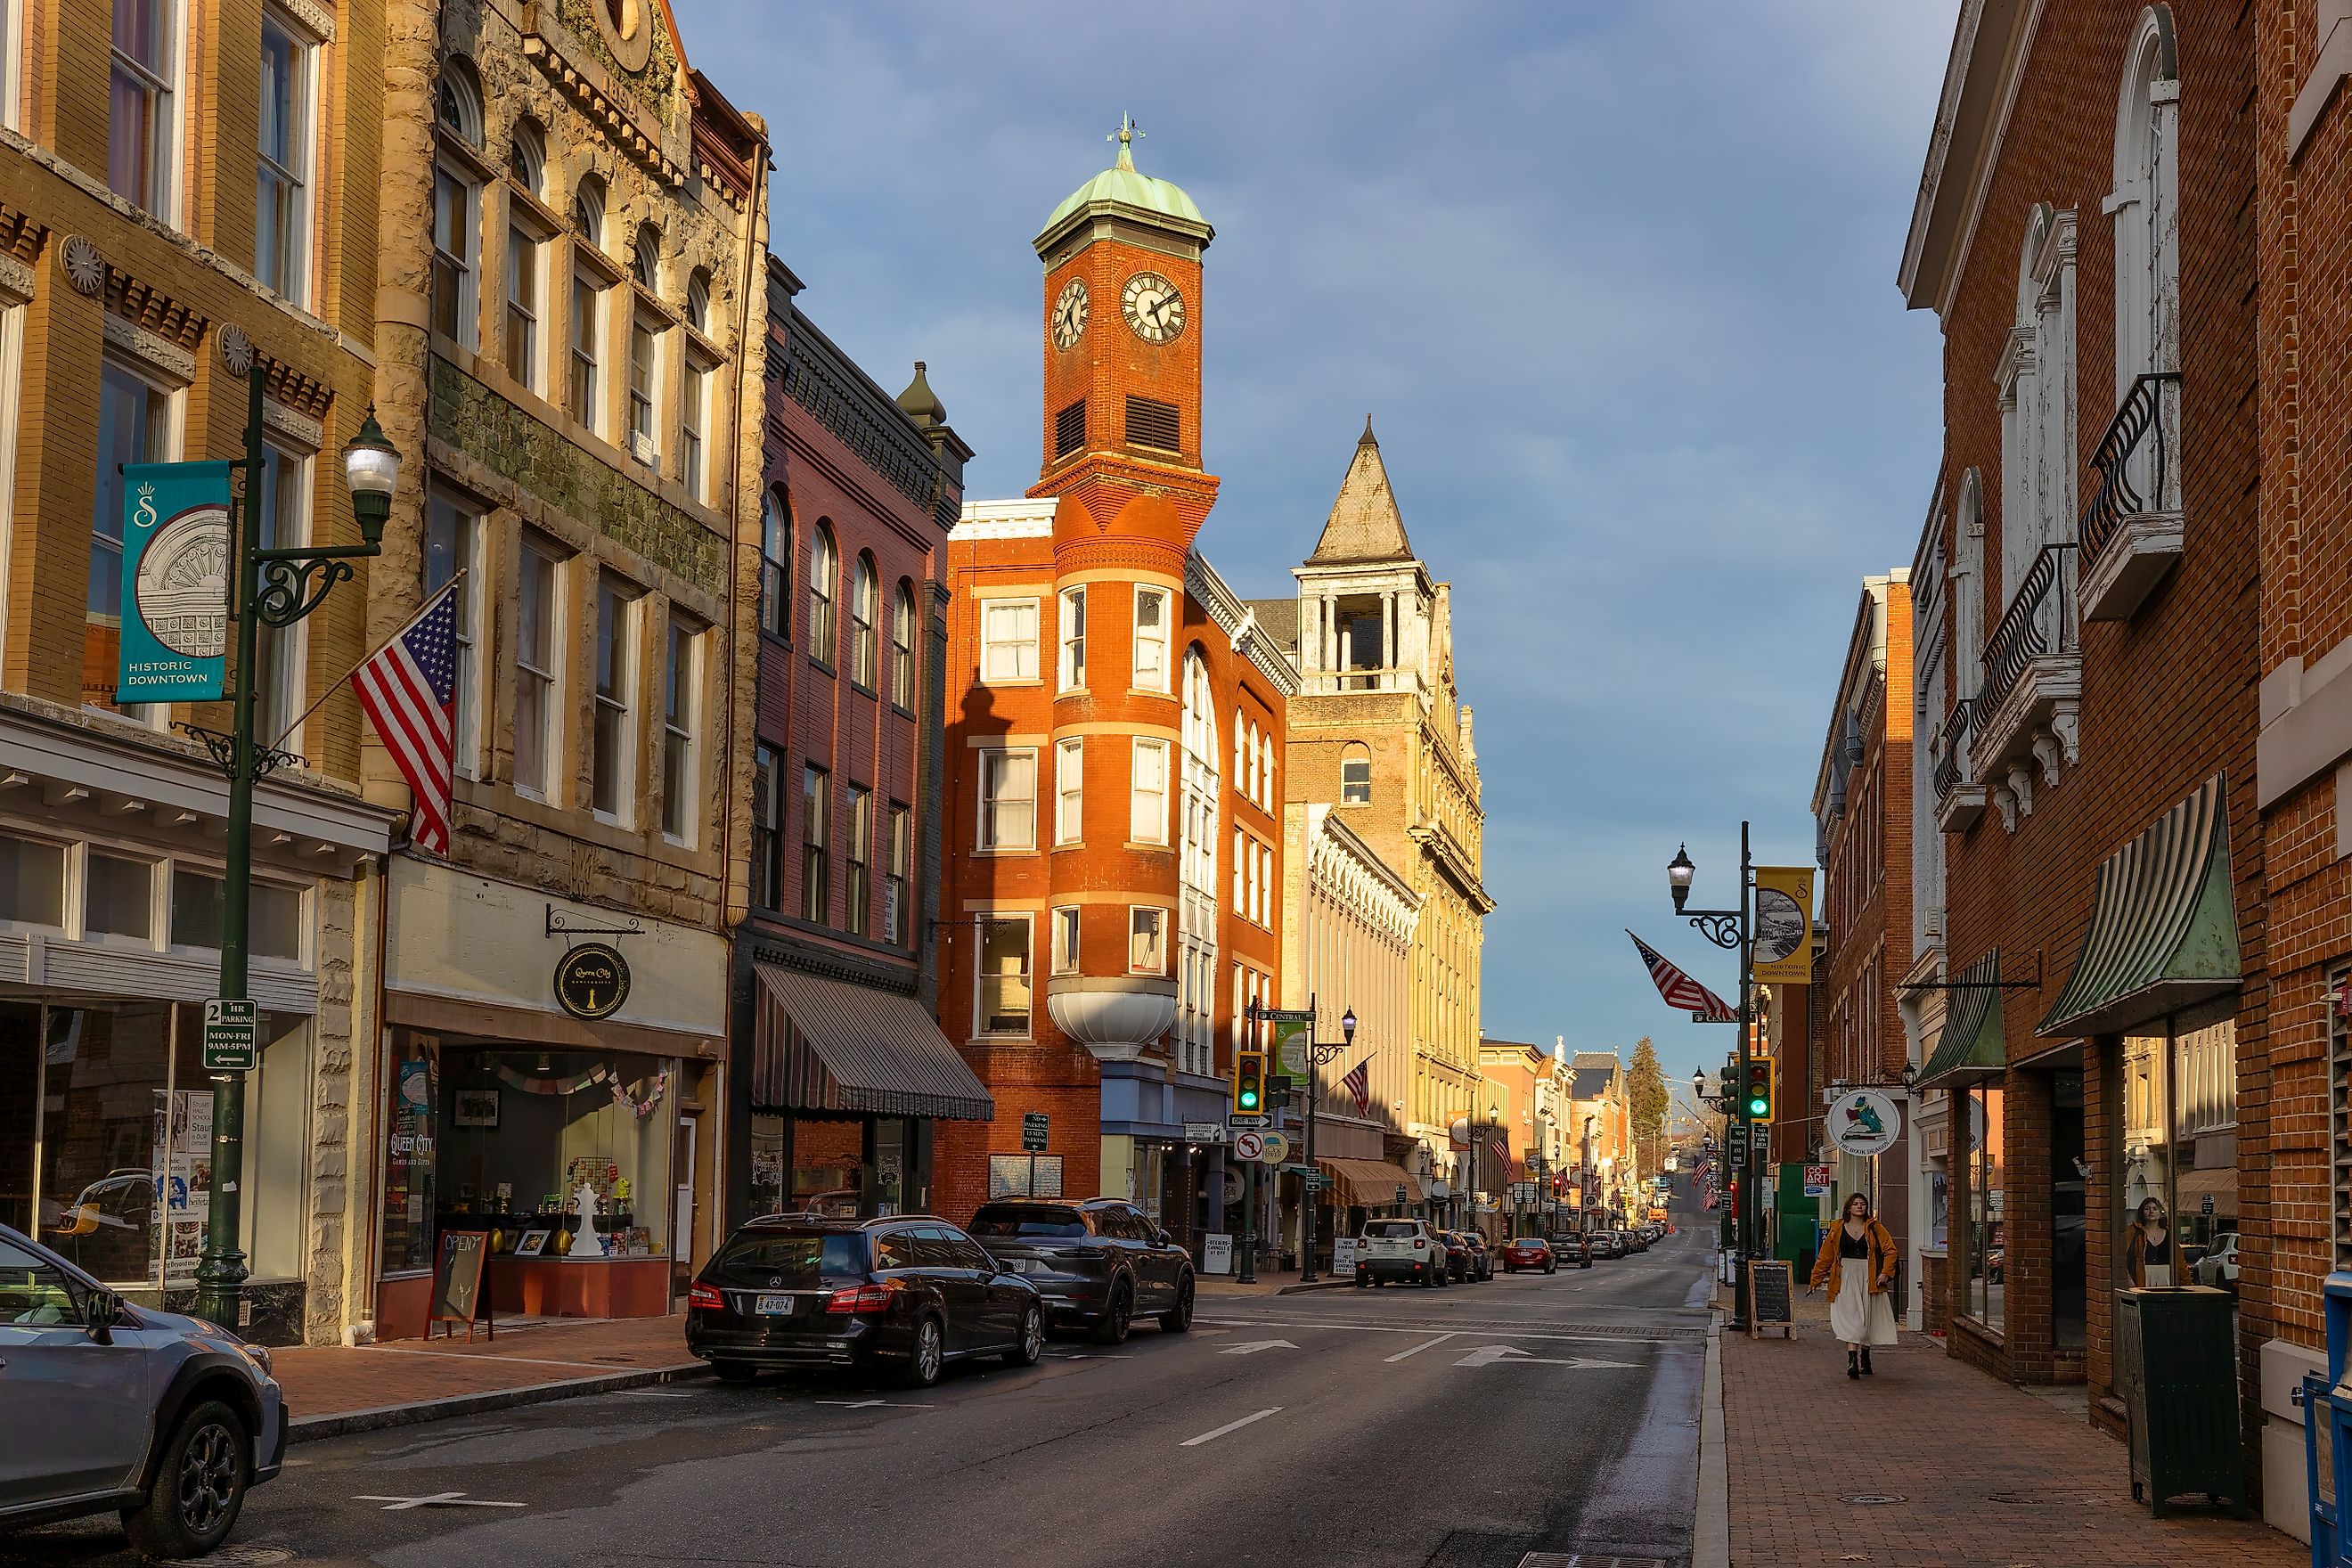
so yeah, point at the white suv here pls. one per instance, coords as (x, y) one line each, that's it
(2219, 1267)
(1400, 1249)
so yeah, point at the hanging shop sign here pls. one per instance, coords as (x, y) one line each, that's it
(174, 642)
(1784, 924)
(1863, 1122)
(592, 980)
(1290, 1039)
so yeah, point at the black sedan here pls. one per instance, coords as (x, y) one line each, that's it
(1099, 1263)
(909, 1293)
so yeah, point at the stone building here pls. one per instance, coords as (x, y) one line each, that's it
(570, 334)
(2088, 681)
(1536, 1089)
(1378, 732)
(1114, 845)
(194, 197)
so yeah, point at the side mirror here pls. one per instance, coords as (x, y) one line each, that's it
(105, 1310)
(1160, 1237)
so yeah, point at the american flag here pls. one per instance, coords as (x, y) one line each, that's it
(409, 688)
(1681, 991)
(1502, 1148)
(1358, 1084)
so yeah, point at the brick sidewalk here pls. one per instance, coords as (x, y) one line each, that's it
(1991, 1477)
(334, 1388)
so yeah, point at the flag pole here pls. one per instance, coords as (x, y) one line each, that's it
(345, 679)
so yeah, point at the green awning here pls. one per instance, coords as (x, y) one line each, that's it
(1971, 1047)
(2164, 928)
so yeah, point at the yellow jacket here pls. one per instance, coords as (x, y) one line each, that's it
(1882, 1258)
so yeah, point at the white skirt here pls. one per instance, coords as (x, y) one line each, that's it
(1861, 1316)
(2157, 1275)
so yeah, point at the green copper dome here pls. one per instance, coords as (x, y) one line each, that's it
(1122, 184)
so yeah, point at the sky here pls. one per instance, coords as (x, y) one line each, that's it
(1616, 284)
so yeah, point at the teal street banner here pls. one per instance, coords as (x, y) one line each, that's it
(175, 572)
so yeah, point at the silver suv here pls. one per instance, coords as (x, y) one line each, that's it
(166, 1420)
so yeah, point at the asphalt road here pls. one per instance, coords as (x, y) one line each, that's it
(1462, 1428)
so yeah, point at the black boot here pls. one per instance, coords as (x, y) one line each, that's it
(1865, 1363)
(1853, 1364)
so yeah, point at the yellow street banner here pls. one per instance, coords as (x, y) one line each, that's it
(1784, 924)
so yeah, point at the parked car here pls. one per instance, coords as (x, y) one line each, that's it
(909, 1294)
(1635, 1241)
(2219, 1267)
(1570, 1248)
(1604, 1243)
(1100, 1264)
(166, 1420)
(1482, 1257)
(1529, 1252)
(1400, 1249)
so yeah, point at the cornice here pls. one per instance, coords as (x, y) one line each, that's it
(1239, 623)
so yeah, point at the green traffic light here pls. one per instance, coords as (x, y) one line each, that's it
(1249, 1099)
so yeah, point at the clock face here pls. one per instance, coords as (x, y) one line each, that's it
(1152, 307)
(1070, 314)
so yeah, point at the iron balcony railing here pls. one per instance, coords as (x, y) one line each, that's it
(1951, 749)
(2039, 621)
(2134, 461)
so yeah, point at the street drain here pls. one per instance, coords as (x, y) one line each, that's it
(1588, 1560)
(1873, 1499)
(236, 1557)
(2054, 1496)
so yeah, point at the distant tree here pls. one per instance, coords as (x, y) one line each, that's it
(1646, 1092)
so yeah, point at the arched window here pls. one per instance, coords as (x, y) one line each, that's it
(2037, 407)
(902, 648)
(461, 100)
(775, 565)
(865, 618)
(527, 156)
(1196, 916)
(1355, 774)
(697, 301)
(2145, 204)
(644, 259)
(824, 564)
(588, 209)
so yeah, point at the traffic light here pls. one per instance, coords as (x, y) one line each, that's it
(1249, 1083)
(1756, 1092)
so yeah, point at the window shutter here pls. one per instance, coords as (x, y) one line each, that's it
(1152, 424)
(1070, 429)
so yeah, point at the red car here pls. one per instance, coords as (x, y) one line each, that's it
(1529, 1252)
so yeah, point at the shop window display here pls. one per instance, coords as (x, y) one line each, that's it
(557, 1154)
(2177, 1187)
(1988, 1207)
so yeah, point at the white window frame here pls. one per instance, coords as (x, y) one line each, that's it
(1148, 804)
(549, 680)
(1066, 923)
(1069, 791)
(1008, 660)
(645, 333)
(466, 325)
(1241, 871)
(305, 47)
(286, 648)
(1151, 648)
(527, 299)
(858, 863)
(1147, 923)
(902, 647)
(980, 975)
(998, 768)
(12, 20)
(584, 351)
(823, 586)
(625, 601)
(471, 526)
(682, 658)
(68, 881)
(160, 200)
(1072, 628)
(693, 428)
(865, 623)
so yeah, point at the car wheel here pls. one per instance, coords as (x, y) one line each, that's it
(1510, 1269)
(200, 1484)
(1177, 1319)
(1551, 1267)
(1032, 1343)
(733, 1370)
(930, 1354)
(1363, 1282)
(1110, 1329)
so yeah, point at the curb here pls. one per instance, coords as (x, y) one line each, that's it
(1711, 1528)
(1318, 1285)
(310, 1428)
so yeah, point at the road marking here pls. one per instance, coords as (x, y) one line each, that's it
(869, 1405)
(1487, 1355)
(1251, 1347)
(438, 1500)
(1408, 1355)
(1499, 1333)
(653, 1394)
(1229, 1426)
(1093, 1355)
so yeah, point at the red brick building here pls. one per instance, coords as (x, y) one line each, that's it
(2089, 675)
(1111, 808)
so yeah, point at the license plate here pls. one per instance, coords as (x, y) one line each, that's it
(774, 1306)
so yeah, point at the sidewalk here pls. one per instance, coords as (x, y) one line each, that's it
(1227, 1289)
(333, 1389)
(1975, 1474)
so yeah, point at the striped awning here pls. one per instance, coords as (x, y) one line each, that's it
(1971, 1047)
(1369, 1184)
(2164, 928)
(820, 1043)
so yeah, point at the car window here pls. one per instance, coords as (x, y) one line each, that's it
(34, 1291)
(1392, 1229)
(1001, 1221)
(1119, 1222)
(795, 1260)
(960, 1250)
(898, 1249)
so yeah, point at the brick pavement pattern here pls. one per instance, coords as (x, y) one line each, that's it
(334, 1380)
(1992, 1476)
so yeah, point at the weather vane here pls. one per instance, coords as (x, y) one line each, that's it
(1125, 136)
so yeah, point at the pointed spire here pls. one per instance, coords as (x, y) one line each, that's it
(1125, 136)
(1365, 525)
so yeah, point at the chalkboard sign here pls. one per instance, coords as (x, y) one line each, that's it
(457, 1293)
(1769, 1305)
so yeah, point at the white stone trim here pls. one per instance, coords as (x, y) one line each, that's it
(1003, 519)
(15, 282)
(300, 429)
(315, 19)
(159, 354)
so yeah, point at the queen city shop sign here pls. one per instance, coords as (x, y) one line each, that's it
(592, 980)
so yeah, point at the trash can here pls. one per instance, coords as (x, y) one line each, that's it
(2176, 1367)
(2328, 1426)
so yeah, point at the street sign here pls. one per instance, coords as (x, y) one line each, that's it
(1204, 1132)
(1237, 1120)
(1033, 1131)
(1250, 1145)
(1284, 1015)
(1275, 1147)
(1400, 1197)
(231, 1032)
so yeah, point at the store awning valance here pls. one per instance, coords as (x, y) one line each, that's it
(2192, 1188)
(1971, 1047)
(819, 1044)
(2164, 929)
(1369, 1184)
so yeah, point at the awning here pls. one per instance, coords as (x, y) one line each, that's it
(1971, 1048)
(2164, 929)
(819, 1044)
(1369, 1184)
(2192, 1188)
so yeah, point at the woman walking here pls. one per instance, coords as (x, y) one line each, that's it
(1857, 1263)
(2148, 1249)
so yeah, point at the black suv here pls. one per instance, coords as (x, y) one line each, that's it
(1098, 1262)
(912, 1294)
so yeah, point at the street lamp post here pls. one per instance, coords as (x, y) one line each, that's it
(1732, 930)
(275, 588)
(1317, 1053)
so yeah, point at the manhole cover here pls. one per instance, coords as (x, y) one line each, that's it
(1873, 1499)
(238, 1557)
(2054, 1496)
(1588, 1560)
